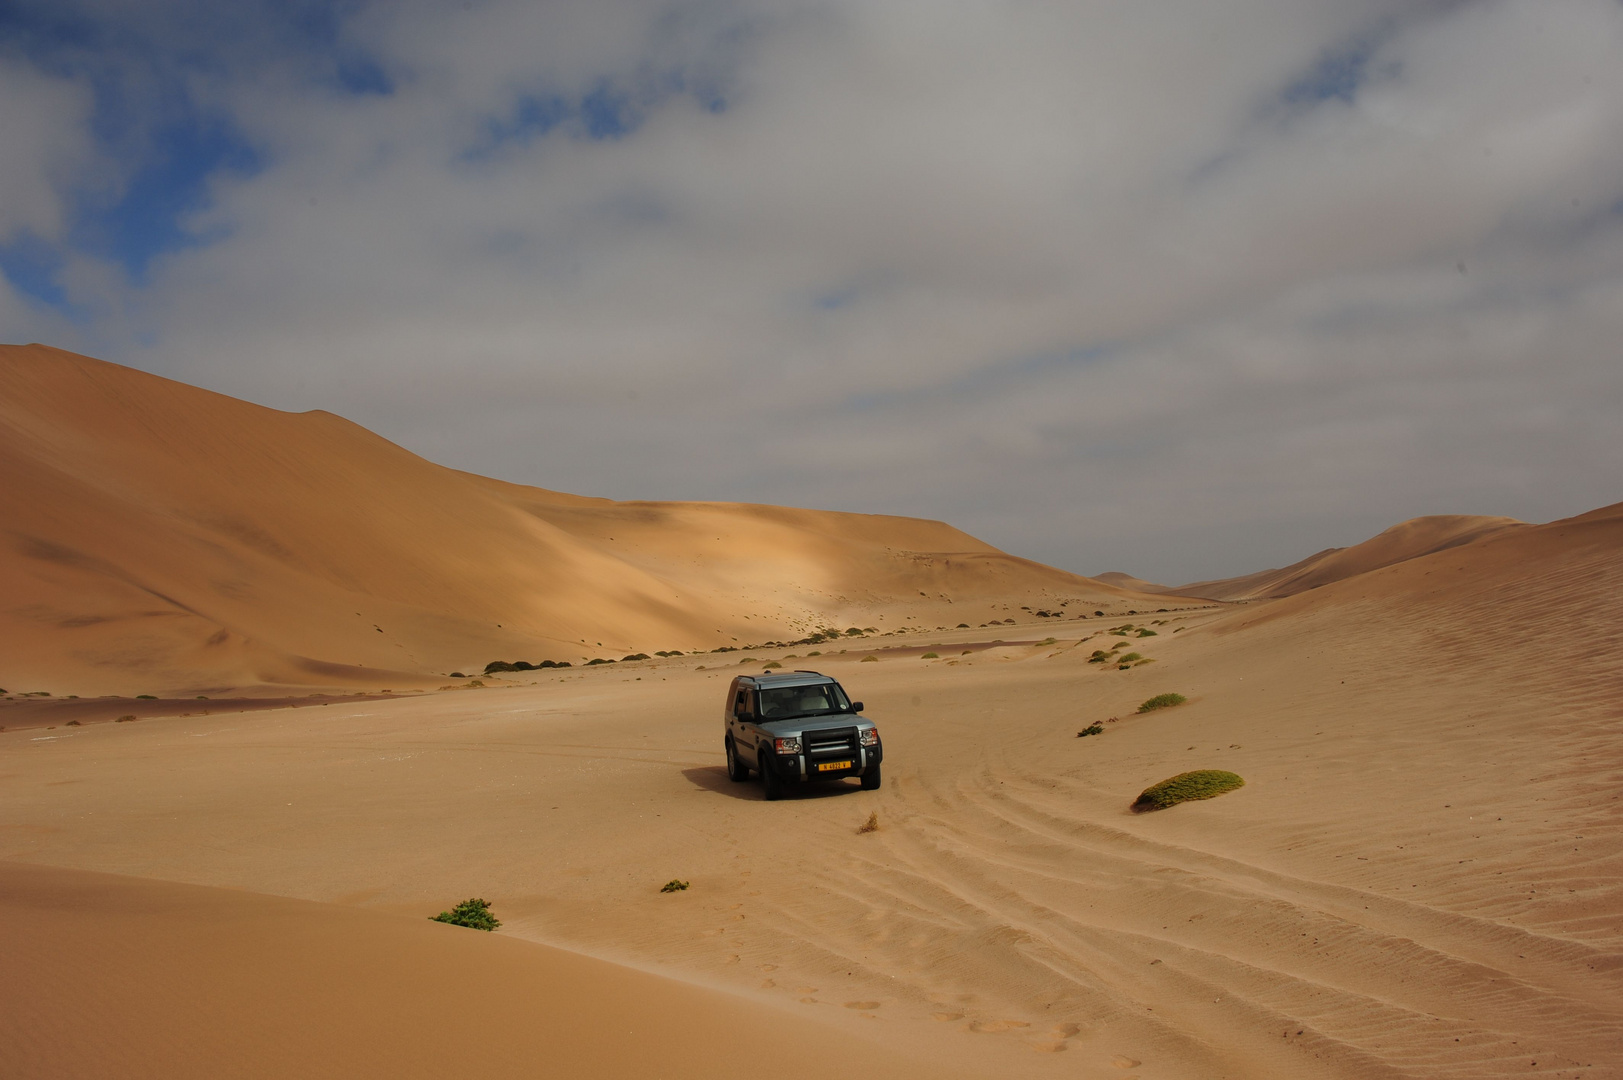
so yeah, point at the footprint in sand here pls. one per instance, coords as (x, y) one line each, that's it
(1051, 1046)
(769, 967)
(767, 984)
(1065, 1031)
(948, 1017)
(991, 1027)
(1122, 1061)
(862, 1004)
(808, 1001)
(805, 989)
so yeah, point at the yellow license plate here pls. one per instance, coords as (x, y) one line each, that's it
(831, 766)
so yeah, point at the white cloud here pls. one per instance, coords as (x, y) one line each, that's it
(1084, 279)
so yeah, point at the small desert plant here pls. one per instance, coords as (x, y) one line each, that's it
(1128, 658)
(126, 718)
(1162, 701)
(673, 885)
(635, 656)
(1047, 641)
(773, 664)
(1099, 656)
(1147, 632)
(871, 825)
(870, 660)
(930, 656)
(598, 660)
(1091, 729)
(1187, 787)
(146, 697)
(475, 914)
(73, 723)
(456, 675)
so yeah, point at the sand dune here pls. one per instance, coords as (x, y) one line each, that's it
(1423, 876)
(110, 976)
(164, 539)
(1405, 540)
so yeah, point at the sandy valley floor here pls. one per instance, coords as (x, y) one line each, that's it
(1422, 877)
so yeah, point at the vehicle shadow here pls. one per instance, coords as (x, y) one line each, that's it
(714, 778)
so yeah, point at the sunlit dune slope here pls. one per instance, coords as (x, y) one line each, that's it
(161, 537)
(1405, 540)
(153, 979)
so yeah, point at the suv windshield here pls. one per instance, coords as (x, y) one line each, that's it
(818, 699)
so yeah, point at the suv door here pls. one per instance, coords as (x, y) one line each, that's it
(743, 701)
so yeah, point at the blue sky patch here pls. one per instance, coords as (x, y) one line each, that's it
(31, 266)
(1335, 77)
(148, 217)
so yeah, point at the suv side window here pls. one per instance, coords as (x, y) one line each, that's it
(741, 701)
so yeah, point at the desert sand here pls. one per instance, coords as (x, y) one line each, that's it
(1422, 876)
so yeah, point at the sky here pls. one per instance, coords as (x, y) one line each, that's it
(1180, 289)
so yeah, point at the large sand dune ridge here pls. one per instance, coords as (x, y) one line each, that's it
(161, 538)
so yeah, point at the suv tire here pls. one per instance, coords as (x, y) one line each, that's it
(771, 785)
(737, 771)
(870, 779)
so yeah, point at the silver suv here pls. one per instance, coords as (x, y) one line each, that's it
(797, 727)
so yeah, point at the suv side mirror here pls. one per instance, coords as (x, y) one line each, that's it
(856, 706)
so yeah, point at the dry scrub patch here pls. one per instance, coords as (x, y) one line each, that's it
(1187, 787)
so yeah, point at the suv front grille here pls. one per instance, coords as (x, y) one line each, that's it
(841, 742)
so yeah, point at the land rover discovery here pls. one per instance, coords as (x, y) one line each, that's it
(797, 727)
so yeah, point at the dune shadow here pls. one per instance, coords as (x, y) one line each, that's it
(714, 778)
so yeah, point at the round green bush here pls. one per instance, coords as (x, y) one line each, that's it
(474, 914)
(1187, 787)
(1159, 701)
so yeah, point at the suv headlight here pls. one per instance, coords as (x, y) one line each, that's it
(868, 736)
(790, 745)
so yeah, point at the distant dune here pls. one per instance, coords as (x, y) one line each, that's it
(162, 538)
(1406, 540)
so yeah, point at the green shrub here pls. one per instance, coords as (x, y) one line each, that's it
(930, 656)
(502, 665)
(853, 631)
(870, 660)
(1128, 658)
(140, 697)
(600, 660)
(673, 885)
(1047, 641)
(1091, 729)
(1099, 656)
(634, 656)
(773, 664)
(1186, 787)
(475, 914)
(1147, 632)
(1161, 701)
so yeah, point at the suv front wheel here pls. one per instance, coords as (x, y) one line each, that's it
(771, 786)
(870, 779)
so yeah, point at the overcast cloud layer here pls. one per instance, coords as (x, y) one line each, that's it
(1184, 289)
